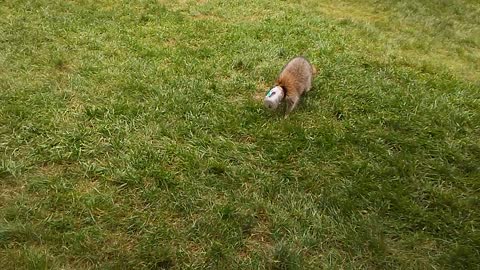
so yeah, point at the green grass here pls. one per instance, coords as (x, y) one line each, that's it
(132, 135)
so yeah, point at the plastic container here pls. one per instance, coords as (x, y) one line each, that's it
(273, 98)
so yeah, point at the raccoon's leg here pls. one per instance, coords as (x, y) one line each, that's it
(309, 85)
(290, 102)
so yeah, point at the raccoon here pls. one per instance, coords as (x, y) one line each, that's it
(295, 79)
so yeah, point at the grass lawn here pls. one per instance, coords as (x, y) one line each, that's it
(133, 135)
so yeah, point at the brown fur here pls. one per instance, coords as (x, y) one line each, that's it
(295, 79)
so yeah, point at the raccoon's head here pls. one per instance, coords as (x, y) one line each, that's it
(273, 98)
(271, 105)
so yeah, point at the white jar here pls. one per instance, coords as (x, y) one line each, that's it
(273, 98)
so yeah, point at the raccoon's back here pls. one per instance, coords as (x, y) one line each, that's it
(296, 76)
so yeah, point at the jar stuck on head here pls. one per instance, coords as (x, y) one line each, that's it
(273, 98)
